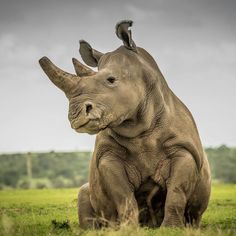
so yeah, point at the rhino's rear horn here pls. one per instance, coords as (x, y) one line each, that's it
(81, 69)
(123, 33)
(63, 80)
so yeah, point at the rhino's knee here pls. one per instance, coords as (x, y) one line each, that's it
(105, 166)
(83, 193)
(110, 171)
(84, 189)
(86, 214)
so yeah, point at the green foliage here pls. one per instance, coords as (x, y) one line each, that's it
(54, 212)
(223, 163)
(57, 170)
(65, 170)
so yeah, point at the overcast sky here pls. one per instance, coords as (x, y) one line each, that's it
(193, 42)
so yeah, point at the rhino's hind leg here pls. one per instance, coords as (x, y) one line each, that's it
(87, 218)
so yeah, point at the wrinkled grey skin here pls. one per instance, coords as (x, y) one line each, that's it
(148, 166)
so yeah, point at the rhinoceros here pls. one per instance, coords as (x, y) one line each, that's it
(148, 167)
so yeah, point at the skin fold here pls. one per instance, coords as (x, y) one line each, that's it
(148, 166)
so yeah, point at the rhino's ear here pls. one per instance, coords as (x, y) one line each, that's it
(89, 55)
(123, 32)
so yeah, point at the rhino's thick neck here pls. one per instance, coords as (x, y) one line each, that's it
(149, 113)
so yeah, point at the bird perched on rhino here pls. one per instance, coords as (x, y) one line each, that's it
(148, 166)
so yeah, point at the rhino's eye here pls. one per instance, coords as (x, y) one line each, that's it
(111, 80)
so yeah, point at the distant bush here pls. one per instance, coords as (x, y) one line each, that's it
(62, 182)
(24, 183)
(41, 183)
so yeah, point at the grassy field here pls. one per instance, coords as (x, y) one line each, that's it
(54, 212)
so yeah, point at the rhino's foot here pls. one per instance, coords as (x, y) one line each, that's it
(87, 218)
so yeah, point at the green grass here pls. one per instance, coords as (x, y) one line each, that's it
(31, 212)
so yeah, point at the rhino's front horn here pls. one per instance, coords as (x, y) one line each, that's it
(81, 69)
(63, 80)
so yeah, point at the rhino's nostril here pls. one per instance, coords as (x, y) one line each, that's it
(89, 107)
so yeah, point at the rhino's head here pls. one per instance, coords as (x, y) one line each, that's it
(113, 97)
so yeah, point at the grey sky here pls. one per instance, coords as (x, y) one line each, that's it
(194, 43)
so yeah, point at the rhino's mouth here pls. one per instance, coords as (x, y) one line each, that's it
(95, 120)
(94, 126)
(91, 126)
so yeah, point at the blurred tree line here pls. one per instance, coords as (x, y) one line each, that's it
(64, 170)
(44, 170)
(223, 163)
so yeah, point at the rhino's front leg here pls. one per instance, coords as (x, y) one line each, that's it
(119, 190)
(180, 186)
